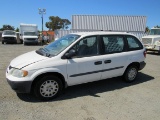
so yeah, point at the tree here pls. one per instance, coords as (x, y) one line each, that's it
(157, 26)
(17, 29)
(56, 22)
(147, 30)
(65, 24)
(7, 27)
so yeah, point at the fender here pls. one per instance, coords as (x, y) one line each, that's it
(47, 70)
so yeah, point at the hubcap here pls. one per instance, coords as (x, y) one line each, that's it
(49, 88)
(132, 74)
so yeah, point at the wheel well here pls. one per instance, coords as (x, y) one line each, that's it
(50, 73)
(134, 63)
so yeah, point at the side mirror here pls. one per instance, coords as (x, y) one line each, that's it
(70, 54)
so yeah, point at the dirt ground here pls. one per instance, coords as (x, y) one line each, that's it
(110, 99)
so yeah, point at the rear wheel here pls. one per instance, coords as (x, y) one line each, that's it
(130, 73)
(2, 42)
(48, 88)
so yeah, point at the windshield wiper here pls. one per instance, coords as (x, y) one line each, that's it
(45, 52)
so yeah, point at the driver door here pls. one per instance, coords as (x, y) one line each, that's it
(86, 66)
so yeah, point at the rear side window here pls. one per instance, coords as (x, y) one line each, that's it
(113, 44)
(134, 43)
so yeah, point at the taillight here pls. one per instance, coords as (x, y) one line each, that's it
(144, 53)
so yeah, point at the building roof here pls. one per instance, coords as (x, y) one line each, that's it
(109, 22)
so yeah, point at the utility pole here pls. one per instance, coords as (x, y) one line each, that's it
(42, 12)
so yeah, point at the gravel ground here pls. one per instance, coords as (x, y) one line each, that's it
(110, 99)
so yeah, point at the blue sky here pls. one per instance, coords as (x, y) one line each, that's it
(14, 12)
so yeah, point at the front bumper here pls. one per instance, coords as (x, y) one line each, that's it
(20, 86)
(31, 41)
(142, 65)
(9, 40)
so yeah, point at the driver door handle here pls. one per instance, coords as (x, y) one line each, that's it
(98, 63)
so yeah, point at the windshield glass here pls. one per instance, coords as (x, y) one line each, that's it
(9, 33)
(155, 32)
(59, 45)
(30, 33)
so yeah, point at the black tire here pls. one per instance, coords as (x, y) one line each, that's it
(21, 41)
(2, 42)
(130, 73)
(48, 87)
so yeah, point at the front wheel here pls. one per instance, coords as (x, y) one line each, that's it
(21, 41)
(130, 73)
(48, 88)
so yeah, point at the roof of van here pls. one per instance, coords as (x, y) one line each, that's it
(101, 33)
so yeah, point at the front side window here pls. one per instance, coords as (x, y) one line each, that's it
(155, 32)
(133, 43)
(86, 47)
(113, 44)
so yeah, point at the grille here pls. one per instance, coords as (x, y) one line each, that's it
(32, 39)
(9, 38)
(146, 40)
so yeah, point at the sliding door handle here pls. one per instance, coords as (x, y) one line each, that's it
(107, 61)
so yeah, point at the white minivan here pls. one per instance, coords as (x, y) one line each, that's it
(75, 59)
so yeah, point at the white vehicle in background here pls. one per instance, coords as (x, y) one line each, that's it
(9, 36)
(28, 33)
(152, 41)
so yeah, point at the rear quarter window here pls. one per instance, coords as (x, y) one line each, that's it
(133, 43)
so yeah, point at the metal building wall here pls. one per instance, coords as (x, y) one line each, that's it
(109, 22)
(61, 33)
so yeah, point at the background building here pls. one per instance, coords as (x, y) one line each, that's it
(87, 23)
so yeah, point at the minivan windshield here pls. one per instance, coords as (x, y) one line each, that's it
(9, 33)
(59, 45)
(155, 32)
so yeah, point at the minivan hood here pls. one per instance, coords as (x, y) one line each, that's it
(152, 36)
(27, 59)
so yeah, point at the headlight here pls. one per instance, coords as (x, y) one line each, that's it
(19, 73)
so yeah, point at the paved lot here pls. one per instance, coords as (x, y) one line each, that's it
(110, 99)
